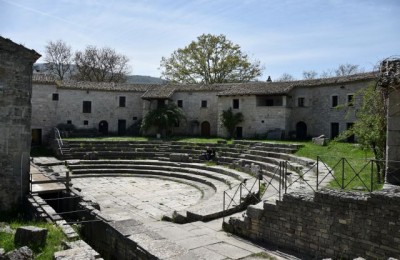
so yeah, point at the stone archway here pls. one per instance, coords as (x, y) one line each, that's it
(205, 128)
(103, 127)
(301, 130)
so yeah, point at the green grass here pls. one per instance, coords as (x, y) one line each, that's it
(53, 241)
(356, 161)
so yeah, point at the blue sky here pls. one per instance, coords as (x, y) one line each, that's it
(287, 36)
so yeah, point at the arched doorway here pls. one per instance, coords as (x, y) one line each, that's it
(103, 127)
(301, 130)
(205, 128)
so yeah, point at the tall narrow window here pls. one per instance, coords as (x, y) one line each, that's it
(204, 103)
(235, 104)
(300, 102)
(87, 107)
(335, 101)
(122, 101)
(55, 96)
(180, 103)
(350, 100)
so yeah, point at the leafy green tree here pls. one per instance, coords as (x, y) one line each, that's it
(163, 117)
(230, 120)
(210, 59)
(370, 126)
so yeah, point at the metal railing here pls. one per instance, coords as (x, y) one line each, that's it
(240, 196)
(57, 137)
(288, 176)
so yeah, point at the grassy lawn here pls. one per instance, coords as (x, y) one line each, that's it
(356, 162)
(53, 241)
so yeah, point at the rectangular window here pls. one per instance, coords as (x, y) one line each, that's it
(69, 122)
(204, 103)
(122, 101)
(160, 103)
(85, 122)
(269, 102)
(55, 96)
(180, 103)
(350, 100)
(134, 118)
(87, 107)
(335, 101)
(300, 102)
(235, 104)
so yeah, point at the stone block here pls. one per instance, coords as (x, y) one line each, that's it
(320, 140)
(30, 235)
(23, 253)
(179, 157)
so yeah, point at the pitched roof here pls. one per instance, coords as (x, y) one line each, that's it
(257, 88)
(104, 86)
(337, 80)
(41, 78)
(159, 92)
(10, 46)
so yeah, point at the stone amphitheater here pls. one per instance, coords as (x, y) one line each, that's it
(134, 185)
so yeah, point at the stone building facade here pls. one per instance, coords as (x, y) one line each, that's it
(15, 116)
(298, 109)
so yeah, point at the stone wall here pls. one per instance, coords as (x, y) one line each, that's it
(15, 122)
(318, 113)
(390, 80)
(258, 120)
(328, 224)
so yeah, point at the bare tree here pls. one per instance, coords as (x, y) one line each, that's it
(327, 73)
(310, 74)
(101, 65)
(347, 69)
(58, 58)
(285, 77)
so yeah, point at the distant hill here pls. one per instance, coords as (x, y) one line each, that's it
(133, 79)
(139, 79)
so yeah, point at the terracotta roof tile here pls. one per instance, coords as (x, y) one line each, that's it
(41, 78)
(104, 86)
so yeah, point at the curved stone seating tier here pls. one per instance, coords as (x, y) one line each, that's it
(240, 152)
(212, 180)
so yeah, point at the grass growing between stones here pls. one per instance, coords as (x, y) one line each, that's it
(53, 241)
(357, 162)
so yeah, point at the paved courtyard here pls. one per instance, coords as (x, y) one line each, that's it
(145, 199)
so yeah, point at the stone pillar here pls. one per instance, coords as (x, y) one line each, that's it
(390, 79)
(15, 122)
